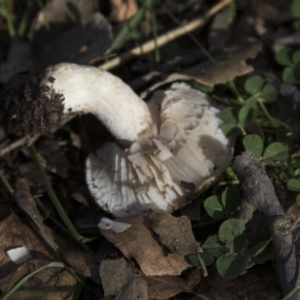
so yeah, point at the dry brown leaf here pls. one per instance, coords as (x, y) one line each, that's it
(122, 10)
(138, 243)
(19, 59)
(175, 233)
(164, 287)
(53, 158)
(249, 286)
(15, 233)
(223, 69)
(219, 30)
(120, 281)
(78, 32)
(63, 31)
(83, 264)
(26, 202)
(61, 14)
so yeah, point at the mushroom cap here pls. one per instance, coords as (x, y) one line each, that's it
(185, 155)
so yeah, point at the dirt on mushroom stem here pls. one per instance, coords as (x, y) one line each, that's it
(27, 107)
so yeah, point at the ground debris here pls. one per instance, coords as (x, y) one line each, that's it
(164, 287)
(174, 233)
(137, 242)
(120, 281)
(26, 202)
(231, 63)
(15, 233)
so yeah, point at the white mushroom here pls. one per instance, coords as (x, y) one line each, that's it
(166, 150)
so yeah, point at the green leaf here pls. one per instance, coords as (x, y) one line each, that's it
(284, 57)
(296, 57)
(232, 232)
(297, 71)
(257, 249)
(215, 246)
(295, 8)
(251, 102)
(231, 198)
(276, 154)
(214, 207)
(298, 199)
(231, 130)
(229, 115)
(253, 144)
(246, 115)
(269, 93)
(294, 185)
(230, 266)
(296, 25)
(289, 76)
(295, 163)
(254, 84)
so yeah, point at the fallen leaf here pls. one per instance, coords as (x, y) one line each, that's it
(137, 242)
(14, 233)
(79, 44)
(82, 263)
(26, 202)
(223, 69)
(63, 31)
(164, 287)
(175, 233)
(122, 10)
(120, 281)
(19, 59)
(53, 158)
(226, 67)
(219, 30)
(249, 286)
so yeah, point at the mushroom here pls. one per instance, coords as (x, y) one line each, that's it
(165, 151)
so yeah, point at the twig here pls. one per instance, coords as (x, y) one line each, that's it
(165, 38)
(26, 140)
(258, 193)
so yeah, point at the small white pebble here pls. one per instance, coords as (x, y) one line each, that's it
(19, 255)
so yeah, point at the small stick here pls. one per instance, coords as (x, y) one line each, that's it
(165, 38)
(259, 193)
(26, 140)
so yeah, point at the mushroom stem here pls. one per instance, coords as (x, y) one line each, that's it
(86, 89)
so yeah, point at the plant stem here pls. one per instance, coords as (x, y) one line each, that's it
(7, 16)
(276, 122)
(79, 238)
(25, 18)
(235, 92)
(154, 29)
(6, 183)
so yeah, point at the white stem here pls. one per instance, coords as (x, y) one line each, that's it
(87, 89)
